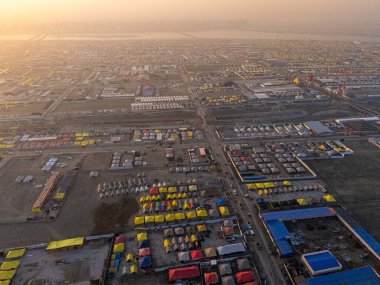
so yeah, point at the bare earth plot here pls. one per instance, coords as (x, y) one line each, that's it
(355, 182)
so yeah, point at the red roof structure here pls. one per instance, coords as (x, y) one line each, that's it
(144, 251)
(176, 274)
(196, 254)
(245, 276)
(153, 191)
(211, 278)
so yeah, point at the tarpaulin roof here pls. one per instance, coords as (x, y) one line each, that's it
(144, 251)
(211, 278)
(139, 220)
(201, 228)
(16, 253)
(221, 202)
(163, 190)
(329, 198)
(245, 276)
(225, 269)
(179, 216)
(129, 257)
(145, 261)
(210, 252)
(118, 247)
(167, 243)
(120, 239)
(7, 275)
(172, 189)
(228, 280)
(299, 214)
(231, 248)
(5, 282)
(196, 254)
(243, 264)
(193, 187)
(184, 256)
(8, 265)
(363, 276)
(65, 243)
(170, 217)
(176, 274)
(319, 262)
(143, 244)
(153, 191)
(149, 219)
(133, 269)
(142, 236)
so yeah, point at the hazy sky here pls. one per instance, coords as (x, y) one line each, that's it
(273, 11)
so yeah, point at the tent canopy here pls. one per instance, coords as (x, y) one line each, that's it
(142, 236)
(210, 252)
(243, 264)
(143, 244)
(176, 274)
(9, 265)
(179, 216)
(145, 261)
(196, 254)
(170, 217)
(118, 247)
(133, 269)
(159, 219)
(15, 253)
(245, 276)
(201, 228)
(144, 251)
(211, 278)
(149, 219)
(139, 220)
(7, 275)
(184, 256)
(65, 243)
(225, 269)
(224, 211)
(201, 213)
(191, 215)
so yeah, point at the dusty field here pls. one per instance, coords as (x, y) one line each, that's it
(94, 105)
(355, 182)
(24, 110)
(111, 216)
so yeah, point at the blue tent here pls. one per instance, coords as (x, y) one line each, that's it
(221, 202)
(143, 244)
(145, 261)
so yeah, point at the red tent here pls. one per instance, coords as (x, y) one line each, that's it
(153, 191)
(211, 278)
(182, 273)
(250, 283)
(119, 239)
(144, 251)
(196, 254)
(244, 276)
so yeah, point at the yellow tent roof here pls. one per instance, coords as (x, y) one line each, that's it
(133, 269)
(260, 185)
(167, 243)
(129, 257)
(329, 198)
(172, 189)
(201, 228)
(118, 247)
(142, 199)
(251, 186)
(185, 206)
(7, 275)
(179, 216)
(15, 253)
(269, 185)
(174, 203)
(191, 215)
(201, 213)
(8, 265)
(260, 192)
(302, 202)
(65, 243)
(159, 218)
(163, 190)
(287, 183)
(149, 219)
(193, 187)
(183, 195)
(193, 238)
(170, 217)
(168, 197)
(142, 236)
(224, 211)
(148, 198)
(139, 220)
(145, 205)
(5, 282)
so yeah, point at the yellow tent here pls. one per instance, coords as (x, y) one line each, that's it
(5, 282)
(224, 211)
(287, 183)
(167, 243)
(148, 198)
(15, 253)
(179, 216)
(149, 219)
(251, 186)
(142, 199)
(260, 185)
(170, 217)
(201, 213)
(133, 269)
(329, 198)
(201, 228)
(172, 189)
(183, 195)
(129, 257)
(145, 205)
(168, 197)
(142, 236)
(174, 203)
(296, 81)
(159, 219)
(163, 190)
(118, 247)
(302, 202)
(7, 275)
(193, 238)
(269, 185)
(260, 192)
(265, 192)
(8, 265)
(191, 215)
(65, 243)
(193, 187)
(139, 220)
(175, 196)
(185, 206)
